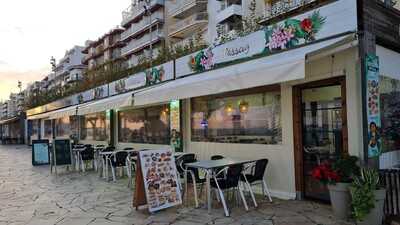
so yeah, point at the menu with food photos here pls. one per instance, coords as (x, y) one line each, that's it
(160, 179)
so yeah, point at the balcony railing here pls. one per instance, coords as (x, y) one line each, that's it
(187, 22)
(284, 6)
(229, 11)
(138, 44)
(137, 10)
(144, 24)
(184, 5)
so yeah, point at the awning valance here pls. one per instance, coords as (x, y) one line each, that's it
(68, 111)
(39, 116)
(273, 69)
(114, 102)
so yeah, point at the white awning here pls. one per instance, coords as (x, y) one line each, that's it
(389, 62)
(273, 69)
(39, 116)
(113, 102)
(68, 111)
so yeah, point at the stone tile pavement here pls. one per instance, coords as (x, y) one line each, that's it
(32, 196)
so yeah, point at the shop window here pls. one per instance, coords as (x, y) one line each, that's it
(390, 113)
(253, 118)
(62, 127)
(147, 125)
(48, 130)
(94, 127)
(34, 125)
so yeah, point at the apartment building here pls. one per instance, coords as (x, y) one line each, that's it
(12, 119)
(186, 20)
(144, 30)
(69, 69)
(105, 49)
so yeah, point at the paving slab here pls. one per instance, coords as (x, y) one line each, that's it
(32, 196)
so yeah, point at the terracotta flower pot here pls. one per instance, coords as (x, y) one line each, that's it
(375, 216)
(340, 200)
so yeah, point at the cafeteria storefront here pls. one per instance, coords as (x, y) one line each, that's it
(240, 117)
(296, 103)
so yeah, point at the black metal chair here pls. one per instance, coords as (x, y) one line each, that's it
(229, 182)
(217, 157)
(256, 176)
(216, 170)
(191, 175)
(118, 160)
(87, 155)
(131, 160)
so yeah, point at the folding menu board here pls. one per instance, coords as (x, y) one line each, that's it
(159, 175)
(40, 152)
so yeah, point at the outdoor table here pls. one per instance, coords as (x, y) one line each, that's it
(209, 166)
(77, 153)
(107, 155)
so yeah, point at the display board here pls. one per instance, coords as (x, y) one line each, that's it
(40, 152)
(62, 152)
(160, 179)
(373, 106)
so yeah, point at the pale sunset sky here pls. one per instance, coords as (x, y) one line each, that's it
(33, 31)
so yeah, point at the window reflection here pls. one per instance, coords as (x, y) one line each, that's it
(62, 127)
(390, 113)
(253, 118)
(48, 130)
(94, 127)
(146, 125)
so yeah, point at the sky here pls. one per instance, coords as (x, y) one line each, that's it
(31, 31)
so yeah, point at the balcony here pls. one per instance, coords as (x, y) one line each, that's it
(73, 78)
(281, 8)
(136, 45)
(233, 10)
(144, 24)
(184, 8)
(189, 25)
(134, 12)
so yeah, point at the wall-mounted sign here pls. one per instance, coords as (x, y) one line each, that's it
(126, 84)
(100, 92)
(160, 73)
(160, 179)
(332, 19)
(373, 105)
(40, 152)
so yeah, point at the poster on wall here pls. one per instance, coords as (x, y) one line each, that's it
(40, 152)
(175, 125)
(373, 105)
(160, 179)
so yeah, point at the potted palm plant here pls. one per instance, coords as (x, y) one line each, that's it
(367, 198)
(338, 177)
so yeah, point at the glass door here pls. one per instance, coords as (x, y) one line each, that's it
(322, 133)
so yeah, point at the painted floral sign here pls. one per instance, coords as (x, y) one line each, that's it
(154, 75)
(293, 32)
(202, 61)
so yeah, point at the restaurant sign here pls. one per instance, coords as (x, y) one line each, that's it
(160, 73)
(327, 21)
(126, 84)
(373, 105)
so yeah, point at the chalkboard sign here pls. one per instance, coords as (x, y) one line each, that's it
(40, 152)
(62, 152)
